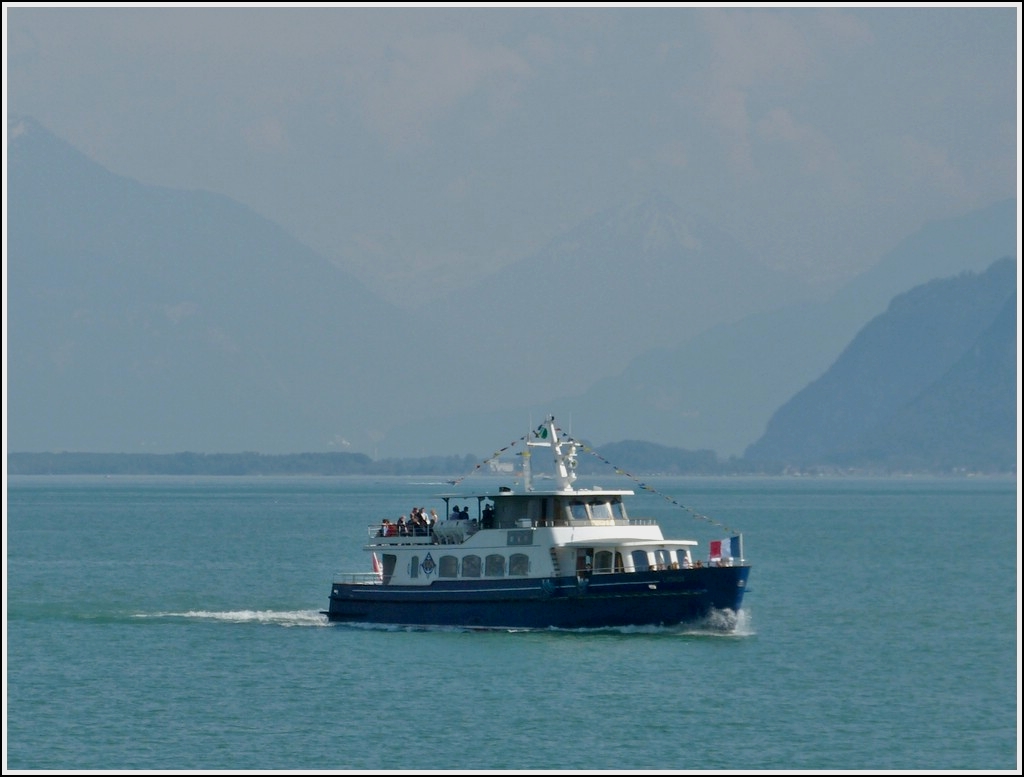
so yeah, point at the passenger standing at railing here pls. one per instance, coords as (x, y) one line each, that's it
(456, 513)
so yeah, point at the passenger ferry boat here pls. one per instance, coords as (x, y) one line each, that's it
(552, 557)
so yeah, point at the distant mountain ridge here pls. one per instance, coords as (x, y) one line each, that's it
(719, 388)
(628, 280)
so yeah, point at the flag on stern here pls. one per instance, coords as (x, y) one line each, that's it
(376, 567)
(729, 548)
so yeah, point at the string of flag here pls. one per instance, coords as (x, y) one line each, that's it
(493, 457)
(619, 471)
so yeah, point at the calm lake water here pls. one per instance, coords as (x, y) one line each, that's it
(174, 623)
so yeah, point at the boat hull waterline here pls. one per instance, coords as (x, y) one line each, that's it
(668, 598)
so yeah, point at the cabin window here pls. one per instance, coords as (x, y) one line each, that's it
(494, 565)
(640, 562)
(414, 567)
(578, 510)
(663, 558)
(519, 564)
(619, 509)
(471, 566)
(603, 562)
(537, 511)
(448, 566)
(509, 512)
(601, 511)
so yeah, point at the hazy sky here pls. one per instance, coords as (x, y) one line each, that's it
(430, 143)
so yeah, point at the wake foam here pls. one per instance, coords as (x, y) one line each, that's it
(267, 617)
(725, 622)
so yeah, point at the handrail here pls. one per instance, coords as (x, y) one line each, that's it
(374, 532)
(358, 578)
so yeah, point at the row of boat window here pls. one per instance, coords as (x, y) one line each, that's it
(605, 562)
(518, 564)
(493, 565)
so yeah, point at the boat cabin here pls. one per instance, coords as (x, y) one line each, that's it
(532, 534)
(508, 510)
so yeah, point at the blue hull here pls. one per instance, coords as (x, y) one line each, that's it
(655, 598)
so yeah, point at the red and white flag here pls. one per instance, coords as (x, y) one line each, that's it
(376, 567)
(726, 549)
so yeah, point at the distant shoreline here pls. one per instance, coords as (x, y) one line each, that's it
(339, 464)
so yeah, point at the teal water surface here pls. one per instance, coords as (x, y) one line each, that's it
(174, 623)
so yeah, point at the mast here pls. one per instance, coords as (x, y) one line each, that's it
(564, 461)
(527, 482)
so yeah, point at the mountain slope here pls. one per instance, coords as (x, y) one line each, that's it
(967, 420)
(895, 361)
(142, 318)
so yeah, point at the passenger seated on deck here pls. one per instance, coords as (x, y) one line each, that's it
(403, 530)
(383, 531)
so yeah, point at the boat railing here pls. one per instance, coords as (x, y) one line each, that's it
(409, 535)
(441, 533)
(358, 578)
(609, 522)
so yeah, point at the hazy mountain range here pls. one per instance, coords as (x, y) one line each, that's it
(144, 319)
(718, 389)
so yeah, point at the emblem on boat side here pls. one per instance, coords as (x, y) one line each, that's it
(428, 566)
